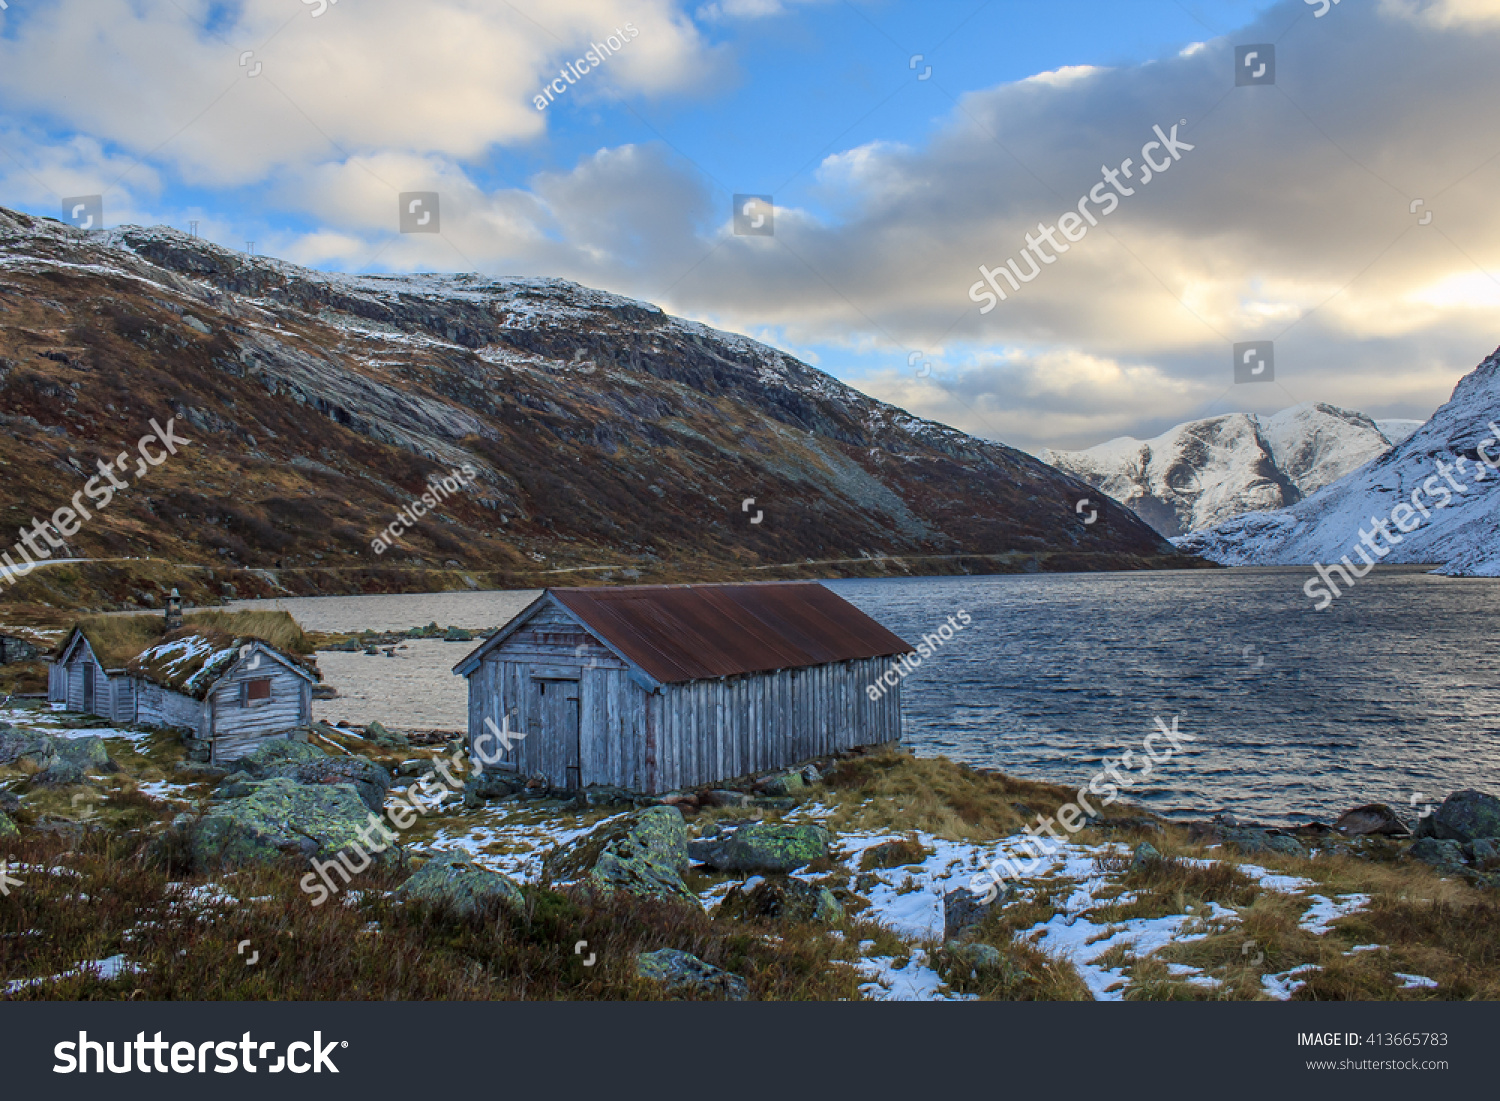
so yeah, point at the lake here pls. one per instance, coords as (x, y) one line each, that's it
(1390, 695)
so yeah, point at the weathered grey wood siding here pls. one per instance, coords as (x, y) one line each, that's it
(124, 698)
(711, 730)
(683, 735)
(57, 683)
(158, 706)
(114, 696)
(285, 709)
(82, 657)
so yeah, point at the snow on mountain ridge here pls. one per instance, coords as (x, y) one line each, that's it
(1461, 533)
(1204, 472)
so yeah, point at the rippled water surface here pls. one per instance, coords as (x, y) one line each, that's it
(1391, 693)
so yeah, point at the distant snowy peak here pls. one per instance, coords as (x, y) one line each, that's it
(1397, 430)
(1205, 472)
(1436, 492)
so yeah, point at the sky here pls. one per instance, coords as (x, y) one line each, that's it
(1326, 205)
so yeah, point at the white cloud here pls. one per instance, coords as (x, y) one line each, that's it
(444, 77)
(1290, 219)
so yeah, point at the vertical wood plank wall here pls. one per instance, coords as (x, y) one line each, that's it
(686, 734)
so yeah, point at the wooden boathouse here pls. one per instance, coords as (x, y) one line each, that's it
(655, 688)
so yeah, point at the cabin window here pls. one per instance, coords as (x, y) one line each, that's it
(255, 692)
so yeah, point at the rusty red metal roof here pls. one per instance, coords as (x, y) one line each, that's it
(690, 632)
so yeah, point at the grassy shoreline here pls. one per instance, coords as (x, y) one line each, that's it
(1354, 919)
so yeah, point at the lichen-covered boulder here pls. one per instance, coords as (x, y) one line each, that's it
(18, 746)
(9, 801)
(963, 963)
(782, 898)
(307, 764)
(1144, 856)
(274, 756)
(370, 780)
(644, 853)
(7, 827)
(1444, 855)
(762, 847)
(59, 774)
(454, 881)
(88, 754)
(282, 817)
(1466, 815)
(784, 783)
(377, 733)
(684, 975)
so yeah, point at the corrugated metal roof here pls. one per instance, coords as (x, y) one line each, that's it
(691, 632)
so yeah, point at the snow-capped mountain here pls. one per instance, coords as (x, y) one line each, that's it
(1205, 472)
(1431, 493)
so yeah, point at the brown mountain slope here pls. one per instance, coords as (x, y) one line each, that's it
(602, 433)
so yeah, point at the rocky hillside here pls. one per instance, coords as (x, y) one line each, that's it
(1459, 531)
(601, 431)
(1206, 471)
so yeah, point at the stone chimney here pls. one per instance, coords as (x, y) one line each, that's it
(174, 611)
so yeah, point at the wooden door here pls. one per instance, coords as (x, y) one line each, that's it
(88, 687)
(555, 734)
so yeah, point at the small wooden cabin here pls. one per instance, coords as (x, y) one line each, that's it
(88, 675)
(229, 693)
(654, 688)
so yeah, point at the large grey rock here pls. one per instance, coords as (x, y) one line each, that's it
(1144, 856)
(281, 817)
(1466, 815)
(377, 732)
(89, 754)
(961, 963)
(1249, 841)
(974, 958)
(685, 975)
(762, 847)
(10, 802)
(1444, 855)
(644, 853)
(1373, 819)
(490, 785)
(782, 898)
(1486, 851)
(456, 882)
(275, 756)
(783, 784)
(17, 746)
(307, 764)
(369, 779)
(963, 909)
(59, 774)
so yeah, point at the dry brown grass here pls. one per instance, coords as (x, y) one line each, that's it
(898, 792)
(370, 949)
(894, 854)
(1026, 974)
(277, 628)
